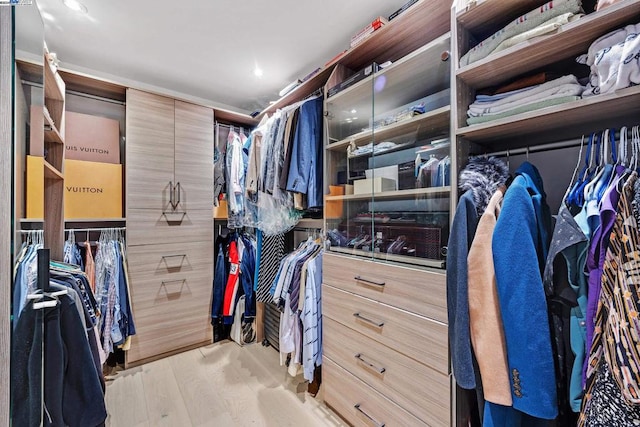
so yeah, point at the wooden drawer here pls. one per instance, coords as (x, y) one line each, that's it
(418, 291)
(358, 403)
(412, 385)
(150, 227)
(171, 310)
(170, 258)
(418, 337)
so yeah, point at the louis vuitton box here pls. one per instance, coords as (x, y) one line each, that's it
(92, 138)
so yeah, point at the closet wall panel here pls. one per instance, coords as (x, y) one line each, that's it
(194, 155)
(150, 150)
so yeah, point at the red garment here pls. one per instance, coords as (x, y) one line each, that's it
(233, 281)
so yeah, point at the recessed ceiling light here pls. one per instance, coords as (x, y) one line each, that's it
(75, 5)
(353, 111)
(257, 72)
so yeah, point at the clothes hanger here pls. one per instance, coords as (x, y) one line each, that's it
(573, 199)
(575, 172)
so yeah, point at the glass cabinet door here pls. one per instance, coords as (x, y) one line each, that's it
(389, 161)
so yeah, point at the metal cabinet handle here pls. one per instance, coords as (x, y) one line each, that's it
(374, 323)
(371, 282)
(369, 364)
(369, 418)
(174, 256)
(171, 195)
(168, 282)
(178, 191)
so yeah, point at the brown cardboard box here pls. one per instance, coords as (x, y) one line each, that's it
(92, 138)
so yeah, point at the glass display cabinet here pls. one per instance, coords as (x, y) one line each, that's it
(388, 158)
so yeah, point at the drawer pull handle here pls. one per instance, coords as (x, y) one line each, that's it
(373, 322)
(168, 282)
(372, 420)
(369, 364)
(371, 282)
(174, 256)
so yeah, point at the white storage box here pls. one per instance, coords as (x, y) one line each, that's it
(377, 185)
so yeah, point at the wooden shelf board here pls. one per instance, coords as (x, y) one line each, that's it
(426, 262)
(50, 172)
(570, 40)
(437, 120)
(393, 194)
(53, 87)
(231, 117)
(578, 117)
(389, 43)
(52, 134)
(481, 15)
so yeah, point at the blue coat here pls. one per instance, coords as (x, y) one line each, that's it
(520, 245)
(463, 229)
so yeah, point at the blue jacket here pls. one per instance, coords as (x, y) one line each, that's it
(463, 229)
(305, 171)
(520, 245)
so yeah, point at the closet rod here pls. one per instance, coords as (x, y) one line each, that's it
(536, 148)
(84, 230)
(84, 95)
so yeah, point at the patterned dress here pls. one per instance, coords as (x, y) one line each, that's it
(612, 396)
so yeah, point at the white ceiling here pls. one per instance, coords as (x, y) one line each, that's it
(207, 49)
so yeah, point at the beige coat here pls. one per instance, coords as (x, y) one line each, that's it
(485, 321)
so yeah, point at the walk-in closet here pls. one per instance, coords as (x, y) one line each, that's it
(365, 213)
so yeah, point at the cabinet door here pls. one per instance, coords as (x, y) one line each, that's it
(150, 150)
(194, 156)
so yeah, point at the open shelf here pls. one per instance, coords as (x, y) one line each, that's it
(574, 39)
(51, 133)
(390, 257)
(571, 119)
(51, 173)
(398, 194)
(390, 43)
(431, 121)
(481, 15)
(53, 86)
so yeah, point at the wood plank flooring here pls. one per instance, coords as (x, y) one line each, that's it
(221, 385)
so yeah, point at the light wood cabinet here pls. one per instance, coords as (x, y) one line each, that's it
(150, 150)
(169, 154)
(169, 223)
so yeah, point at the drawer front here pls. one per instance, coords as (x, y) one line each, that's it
(412, 385)
(171, 305)
(358, 403)
(415, 336)
(418, 291)
(170, 258)
(151, 227)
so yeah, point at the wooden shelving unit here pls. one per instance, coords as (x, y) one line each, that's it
(480, 16)
(399, 194)
(571, 40)
(54, 101)
(588, 115)
(390, 43)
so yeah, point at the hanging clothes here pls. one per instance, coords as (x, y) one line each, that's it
(478, 182)
(520, 247)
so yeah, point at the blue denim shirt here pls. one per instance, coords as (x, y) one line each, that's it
(305, 171)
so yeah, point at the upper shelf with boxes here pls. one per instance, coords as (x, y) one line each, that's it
(543, 71)
(388, 157)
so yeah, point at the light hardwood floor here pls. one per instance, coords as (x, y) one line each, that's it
(219, 385)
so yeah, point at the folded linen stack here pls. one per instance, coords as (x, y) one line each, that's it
(614, 60)
(554, 92)
(540, 21)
